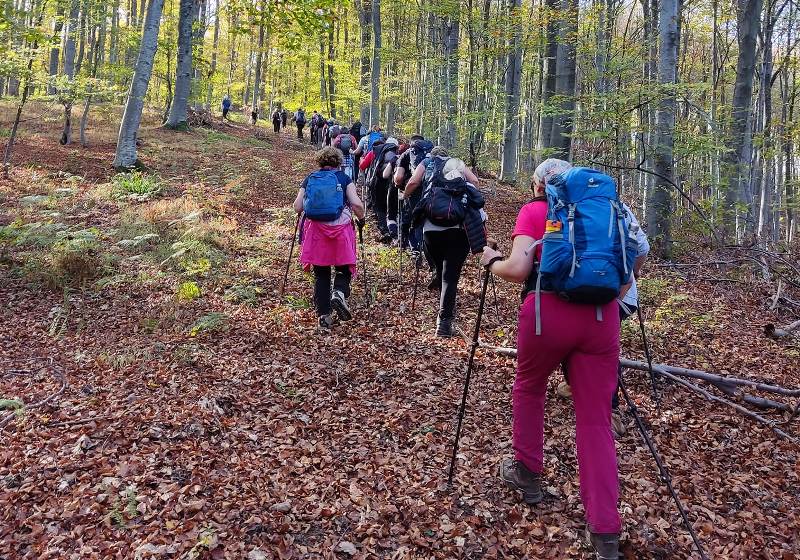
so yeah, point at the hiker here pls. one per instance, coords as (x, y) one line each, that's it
(419, 149)
(328, 199)
(300, 120)
(314, 124)
(345, 142)
(276, 120)
(355, 130)
(452, 220)
(552, 330)
(334, 130)
(226, 107)
(365, 145)
(284, 117)
(628, 305)
(254, 115)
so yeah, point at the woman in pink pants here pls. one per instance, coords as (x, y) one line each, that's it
(570, 333)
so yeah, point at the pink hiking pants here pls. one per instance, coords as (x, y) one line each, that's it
(572, 333)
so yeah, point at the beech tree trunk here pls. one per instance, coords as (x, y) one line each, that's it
(659, 203)
(69, 71)
(131, 118)
(450, 89)
(183, 68)
(364, 9)
(738, 220)
(561, 139)
(508, 164)
(55, 51)
(375, 78)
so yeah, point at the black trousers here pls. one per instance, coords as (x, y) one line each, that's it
(448, 250)
(392, 214)
(300, 130)
(379, 197)
(322, 286)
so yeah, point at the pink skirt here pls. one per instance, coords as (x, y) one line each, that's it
(327, 245)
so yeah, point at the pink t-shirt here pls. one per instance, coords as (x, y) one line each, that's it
(531, 222)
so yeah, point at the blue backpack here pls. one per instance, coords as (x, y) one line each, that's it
(587, 252)
(324, 197)
(373, 137)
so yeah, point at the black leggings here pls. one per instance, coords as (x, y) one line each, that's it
(322, 286)
(448, 249)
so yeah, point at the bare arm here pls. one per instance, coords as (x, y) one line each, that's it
(298, 202)
(416, 180)
(355, 202)
(638, 264)
(518, 266)
(387, 171)
(470, 176)
(399, 175)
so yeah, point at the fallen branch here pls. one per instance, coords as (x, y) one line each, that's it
(664, 372)
(772, 331)
(58, 374)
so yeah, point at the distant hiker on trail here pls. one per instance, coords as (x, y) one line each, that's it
(628, 305)
(226, 107)
(345, 142)
(300, 120)
(452, 218)
(328, 199)
(553, 330)
(419, 150)
(276, 120)
(284, 117)
(378, 185)
(254, 115)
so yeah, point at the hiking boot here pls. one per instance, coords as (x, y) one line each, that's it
(518, 477)
(618, 423)
(435, 285)
(325, 322)
(605, 545)
(339, 304)
(564, 390)
(444, 328)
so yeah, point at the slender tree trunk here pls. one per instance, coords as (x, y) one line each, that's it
(67, 97)
(183, 68)
(450, 34)
(738, 219)
(508, 165)
(561, 139)
(131, 118)
(659, 206)
(374, 105)
(213, 70)
(364, 9)
(55, 51)
(257, 79)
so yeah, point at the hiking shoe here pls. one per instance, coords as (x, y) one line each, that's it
(444, 328)
(605, 545)
(618, 423)
(325, 322)
(339, 304)
(564, 390)
(518, 477)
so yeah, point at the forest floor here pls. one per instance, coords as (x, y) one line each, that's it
(177, 407)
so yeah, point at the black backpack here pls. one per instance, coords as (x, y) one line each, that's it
(345, 143)
(444, 202)
(300, 118)
(383, 155)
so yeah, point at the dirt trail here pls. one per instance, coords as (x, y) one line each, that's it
(268, 435)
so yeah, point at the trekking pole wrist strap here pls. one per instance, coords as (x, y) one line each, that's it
(492, 261)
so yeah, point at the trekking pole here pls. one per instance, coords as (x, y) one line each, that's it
(486, 275)
(364, 261)
(494, 294)
(647, 354)
(289, 260)
(400, 237)
(416, 283)
(665, 477)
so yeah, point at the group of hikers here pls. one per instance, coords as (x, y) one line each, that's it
(576, 250)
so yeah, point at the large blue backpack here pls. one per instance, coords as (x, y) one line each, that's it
(587, 252)
(324, 197)
(374, 136)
